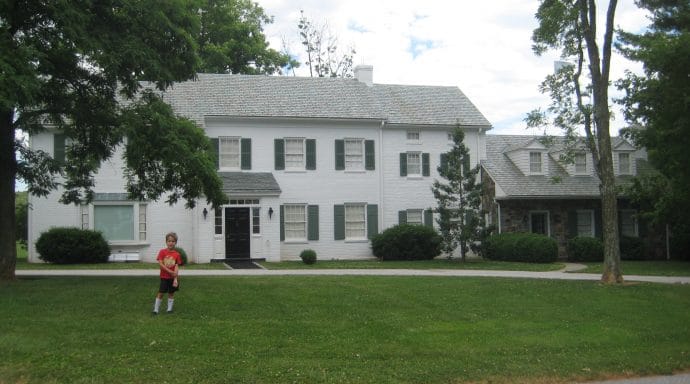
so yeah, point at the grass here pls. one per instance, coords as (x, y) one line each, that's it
(340, 330)
(651, 268)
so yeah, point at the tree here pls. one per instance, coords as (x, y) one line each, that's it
(91, 70)
(460, 220)
(231, 39)
(571, 26)
(658, 103)
(323, 56)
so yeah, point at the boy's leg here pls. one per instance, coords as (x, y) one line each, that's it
(157, 303)
(171, 301)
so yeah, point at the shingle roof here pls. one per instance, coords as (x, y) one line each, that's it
(515, 184)
(249, 183)
(307, 97)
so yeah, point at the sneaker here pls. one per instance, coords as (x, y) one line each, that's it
(170, 311)
(154, 313)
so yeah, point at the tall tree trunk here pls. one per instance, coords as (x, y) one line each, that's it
(609, 207)
(8, 170)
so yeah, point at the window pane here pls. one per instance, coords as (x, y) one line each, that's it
(539, 223)
(115, 221)
(584, 223)
(535, 162)
(414, 216)
(413, 134)
(294, 153)
(229, 152)
(580, 163)
(355, 221)
(628, 223)
(142, 222)
(624, 163)
(218, 221)
(354, 154)
(414, 163)
(295, 222)
(256, 220)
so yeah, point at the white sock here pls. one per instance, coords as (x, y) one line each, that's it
(157, 305)
(170, 304)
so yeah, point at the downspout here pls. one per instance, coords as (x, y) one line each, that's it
(381, 181)
(499, 215)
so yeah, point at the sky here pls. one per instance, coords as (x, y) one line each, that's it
(482, 47)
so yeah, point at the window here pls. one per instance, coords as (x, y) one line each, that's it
(413, 135)
(415, 216)
(355, 221)
(585, 223)
(116, 222)
(624, 163)
(628, 222)
(580, 163)
(84, 216)
(535, 165)
(539, 222)
(450, 138)
(142, 222)
(256, 220)
(218, 221)
(414, 164)
(354, 154)
(295, 222)
(294, 153)
(229, 152)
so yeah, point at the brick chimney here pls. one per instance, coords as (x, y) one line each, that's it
(365, 74)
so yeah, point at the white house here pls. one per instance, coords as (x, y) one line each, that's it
(318, 163)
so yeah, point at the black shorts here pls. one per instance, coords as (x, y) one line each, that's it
(167, 286)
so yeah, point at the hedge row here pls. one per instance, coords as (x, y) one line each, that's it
(521, 247)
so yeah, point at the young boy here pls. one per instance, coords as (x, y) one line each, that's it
(169, 260)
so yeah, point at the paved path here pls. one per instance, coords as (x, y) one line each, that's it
(564, 274)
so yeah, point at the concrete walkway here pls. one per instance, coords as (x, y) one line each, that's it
(564, 274)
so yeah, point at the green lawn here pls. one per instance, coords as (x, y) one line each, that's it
(340, 330)
(652, 268)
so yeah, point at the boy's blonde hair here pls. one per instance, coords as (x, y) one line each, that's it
(171, 234)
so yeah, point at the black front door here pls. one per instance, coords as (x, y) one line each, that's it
(237, 233)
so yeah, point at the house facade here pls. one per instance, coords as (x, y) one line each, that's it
(307, 163)
(529, 188)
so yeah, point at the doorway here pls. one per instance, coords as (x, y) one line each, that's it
(237, 233)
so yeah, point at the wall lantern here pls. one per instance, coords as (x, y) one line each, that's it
(270, 212)
(205, 213)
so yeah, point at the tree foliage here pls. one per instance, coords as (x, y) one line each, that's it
(232, 40)
(571, 27)
(324, 57)
(460, 220)
(79, 68)
(657, 104)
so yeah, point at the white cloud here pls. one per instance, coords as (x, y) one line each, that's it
(484, 48)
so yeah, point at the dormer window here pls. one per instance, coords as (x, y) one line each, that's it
(535, 163)
(580, 163)
(624, 163)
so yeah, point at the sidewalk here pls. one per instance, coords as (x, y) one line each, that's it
(563, 274)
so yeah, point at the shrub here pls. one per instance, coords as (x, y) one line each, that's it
(183, 255)
(72, 246)
(407, 242)
(308, 256)
(632, 248)
(585, 249)
(521, 247)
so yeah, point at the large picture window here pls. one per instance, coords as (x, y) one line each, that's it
(116, 222)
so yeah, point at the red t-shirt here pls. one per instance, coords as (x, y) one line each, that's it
(170, 258)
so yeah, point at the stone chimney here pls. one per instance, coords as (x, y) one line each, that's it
(365, 74)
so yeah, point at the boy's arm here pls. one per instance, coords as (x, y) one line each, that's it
(170, 271)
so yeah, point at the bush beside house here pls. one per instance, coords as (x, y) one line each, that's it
(521, 247)
(72, 246)
(407, 242)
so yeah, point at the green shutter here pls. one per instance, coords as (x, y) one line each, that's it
(214, 151)
(572, 224)
(426, 170)
(403, 164)
(429, 218)
(311, 154)
(339, 222)
(466, 164)
(372, 220)
(312, 222)
(402, 217)
(279, 145)
(59, 147)
(369, 155)
(339, 155)
(282, 223)
(443, 168)
(246, 157)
